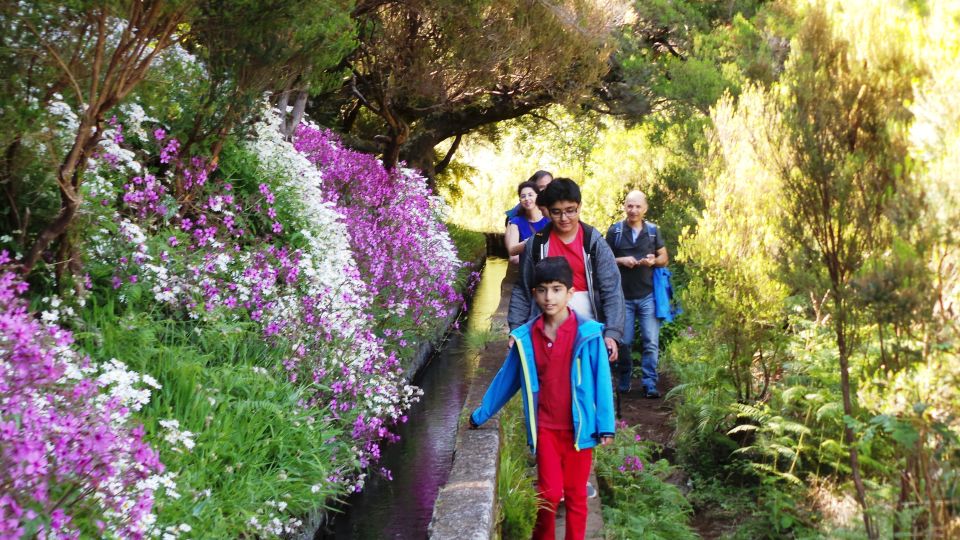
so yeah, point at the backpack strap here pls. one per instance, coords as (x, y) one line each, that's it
(539, 239)
(617, 234)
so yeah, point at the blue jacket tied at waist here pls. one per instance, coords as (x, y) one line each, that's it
(666, 309)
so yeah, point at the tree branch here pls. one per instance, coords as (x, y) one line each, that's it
(439, 167)
(59, 60)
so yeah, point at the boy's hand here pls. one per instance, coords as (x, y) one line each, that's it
(612, 348)
(510, 343)
(606, 440)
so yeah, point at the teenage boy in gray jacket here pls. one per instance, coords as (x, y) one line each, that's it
(596, 280)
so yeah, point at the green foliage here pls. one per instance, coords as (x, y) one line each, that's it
(478, 340)
(517, 500)
(430, 70)
(856, 223)
(257, 445)
(471, 245)
(250, 47)
(638, 499)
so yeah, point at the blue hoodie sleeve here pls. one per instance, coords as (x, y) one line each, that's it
(502, 388)
(606, 419)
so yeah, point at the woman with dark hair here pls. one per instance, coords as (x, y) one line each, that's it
(526, 223)
(540, 179)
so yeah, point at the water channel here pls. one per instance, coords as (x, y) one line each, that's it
(421, 461)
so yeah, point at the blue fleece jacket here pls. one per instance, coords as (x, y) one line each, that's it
(593, 415)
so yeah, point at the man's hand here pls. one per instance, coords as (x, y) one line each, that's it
(612, 348)
(510, 343)
(606, 440)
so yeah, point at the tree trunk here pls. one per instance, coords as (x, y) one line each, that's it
(839, 324)
(399, 131)
(68, 179)
(9, 184)
(299, 106)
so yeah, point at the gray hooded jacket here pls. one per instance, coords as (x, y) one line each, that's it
(603, 281)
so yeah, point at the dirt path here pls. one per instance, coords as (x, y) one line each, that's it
(653, 417)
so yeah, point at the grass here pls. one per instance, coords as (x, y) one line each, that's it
(515, 490)
(260, 453)
(478, 340)
(471, 245)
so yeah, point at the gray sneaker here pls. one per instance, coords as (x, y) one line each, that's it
(591, 491)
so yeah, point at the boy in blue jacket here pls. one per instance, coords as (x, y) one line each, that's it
(560, 363)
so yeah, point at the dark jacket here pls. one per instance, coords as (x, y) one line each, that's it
(603, 281)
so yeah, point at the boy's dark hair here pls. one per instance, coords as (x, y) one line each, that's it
(552, 269)
(561, 189)
(524, 185)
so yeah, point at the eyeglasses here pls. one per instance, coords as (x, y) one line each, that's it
(567, 212)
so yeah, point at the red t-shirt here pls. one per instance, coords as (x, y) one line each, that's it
(573, 252)
(553, 359)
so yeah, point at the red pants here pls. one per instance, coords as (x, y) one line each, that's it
(561, 471)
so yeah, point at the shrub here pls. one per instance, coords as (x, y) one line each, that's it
(72, 459)
(516, 494)
(638, 501)
(400, 243)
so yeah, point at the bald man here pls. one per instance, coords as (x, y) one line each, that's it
(638, 248)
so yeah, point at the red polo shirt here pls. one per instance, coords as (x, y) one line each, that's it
(553, 359)
(573, 253)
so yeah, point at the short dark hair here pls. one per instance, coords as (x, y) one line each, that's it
(561, 189)
(538, 175)
(551, 269)
(524, 185)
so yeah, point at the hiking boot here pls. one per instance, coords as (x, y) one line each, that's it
(591, 491)
(652, 393)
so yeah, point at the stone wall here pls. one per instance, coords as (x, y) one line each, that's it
(466, 505)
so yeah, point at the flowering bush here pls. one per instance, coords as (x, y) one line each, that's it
(274, 296)
(639, 501)
(401, 246)
(234, 258)
(72, 461)
(263, 255)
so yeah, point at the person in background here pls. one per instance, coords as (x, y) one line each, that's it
(559, 361)
(541, 179)
(527, 222)
(638, 247)
(596, 281)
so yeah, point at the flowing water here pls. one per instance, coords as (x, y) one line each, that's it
(421, 461)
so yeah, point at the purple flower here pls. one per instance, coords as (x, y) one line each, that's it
(67, 438)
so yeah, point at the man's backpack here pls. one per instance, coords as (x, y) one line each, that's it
(618, 232)
(667, 307)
